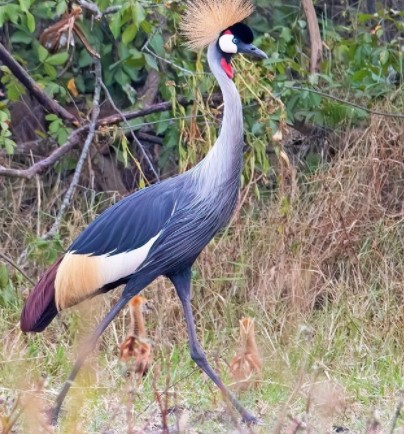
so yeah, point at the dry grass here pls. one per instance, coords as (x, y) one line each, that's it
(321, 269)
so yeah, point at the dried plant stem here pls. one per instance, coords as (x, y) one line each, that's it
(136, 140)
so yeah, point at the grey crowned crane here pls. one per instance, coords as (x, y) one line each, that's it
(161, 229)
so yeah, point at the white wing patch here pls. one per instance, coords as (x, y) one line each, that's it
(114, 267)
(79, 276)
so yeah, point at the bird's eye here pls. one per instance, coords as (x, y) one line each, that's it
(235, 41)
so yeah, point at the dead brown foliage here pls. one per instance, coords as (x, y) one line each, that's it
(337, 228)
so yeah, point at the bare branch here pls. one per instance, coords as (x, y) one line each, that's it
(48, 103)
(92, 7)
(149, 138)
(316, 44)
(154, 108)
(75, 138)
(90, 136)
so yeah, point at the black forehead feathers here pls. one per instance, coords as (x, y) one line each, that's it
(242, 32)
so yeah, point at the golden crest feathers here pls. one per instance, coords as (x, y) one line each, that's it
(205, 19)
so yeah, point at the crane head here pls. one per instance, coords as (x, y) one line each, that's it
(235, 39)
(209, 21)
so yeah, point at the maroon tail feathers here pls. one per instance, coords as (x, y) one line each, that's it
(40, 308)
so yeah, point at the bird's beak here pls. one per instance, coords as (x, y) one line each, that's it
(251, 50)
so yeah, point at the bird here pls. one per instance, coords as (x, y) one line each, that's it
(246, 365)
(136, 348)
(160, 230)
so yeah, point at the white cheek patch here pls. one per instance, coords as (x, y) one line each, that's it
(227, 45)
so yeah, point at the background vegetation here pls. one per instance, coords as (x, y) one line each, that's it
(315, 252)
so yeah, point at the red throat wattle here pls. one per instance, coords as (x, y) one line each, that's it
(227, 68)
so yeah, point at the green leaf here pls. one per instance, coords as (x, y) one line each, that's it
(129, 34)
(362, 18)
(9, 145)
(384, 56)
(138, 13)
(115, 25)
(50, 70)
(42, 53)
(24, 5)
(20, 37)
(30, 22)
(85, 59)
(146, 26)
(151, 61)
(286, 34)
(14, 91)
(54, 127)
(58, 58)
(258, 129)
(61, 7)
(121, 78)
(62, 135)
(13, 12)
(4, 116)
(157, 43)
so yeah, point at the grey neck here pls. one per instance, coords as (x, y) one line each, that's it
(223, 162)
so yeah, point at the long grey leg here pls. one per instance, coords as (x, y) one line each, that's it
(182, 283)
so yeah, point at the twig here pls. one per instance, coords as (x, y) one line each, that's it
(112, 9)
(343, 101)
(91, 132)
(154, 108)
(169, 62)
(19, 269)
(150, 138)
(49, 104)
(136, 140)
(50, 160)
(92, 7)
